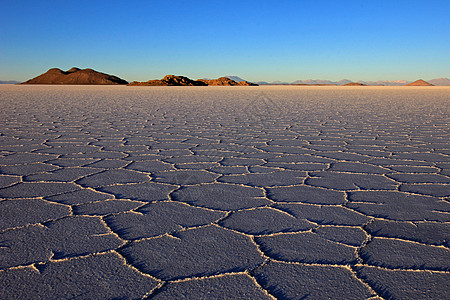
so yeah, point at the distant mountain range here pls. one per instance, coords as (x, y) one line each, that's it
(438, 82)
(9, 82)
(89, 76)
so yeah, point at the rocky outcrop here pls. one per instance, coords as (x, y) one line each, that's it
(180, 80)
(75, 76)
(246, 83)
(355, 84)
(419, 82)
(229, 82)
(172, 80)
(169, 80)
(220, 81)
(147, 83)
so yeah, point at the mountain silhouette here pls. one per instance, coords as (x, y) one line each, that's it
(419, 82)
(75, 76)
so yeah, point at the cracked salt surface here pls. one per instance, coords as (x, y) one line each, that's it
(213, 193)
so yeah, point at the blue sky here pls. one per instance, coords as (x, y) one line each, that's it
(256, 40)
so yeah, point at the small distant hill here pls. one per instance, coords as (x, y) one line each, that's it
(75, 76)
(172, 80)
(9, 82)
(355, 84)
(440, 81)
(419, 82)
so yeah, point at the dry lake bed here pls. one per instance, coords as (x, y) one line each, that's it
(224, 192)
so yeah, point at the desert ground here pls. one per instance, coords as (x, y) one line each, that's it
(116, 192)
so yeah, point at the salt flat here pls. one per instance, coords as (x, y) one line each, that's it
(224, 192)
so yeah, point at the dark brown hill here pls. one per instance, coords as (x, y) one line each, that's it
(419, 82)
(75, 76)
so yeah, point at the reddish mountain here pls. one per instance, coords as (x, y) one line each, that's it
(75, 76)
(419, 82)
(172, 80)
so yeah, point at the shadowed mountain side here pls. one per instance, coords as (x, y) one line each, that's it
(419, 82)
(75, 76)
(172, 80)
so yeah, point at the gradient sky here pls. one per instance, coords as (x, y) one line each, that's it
(256, 40)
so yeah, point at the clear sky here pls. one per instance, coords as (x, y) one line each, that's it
(256, 40)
